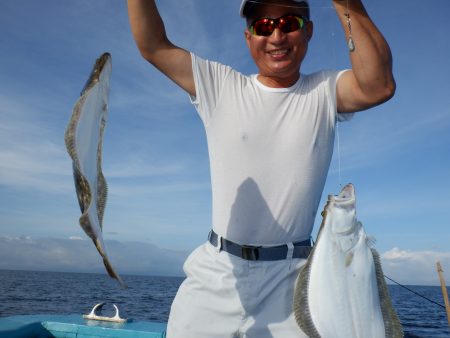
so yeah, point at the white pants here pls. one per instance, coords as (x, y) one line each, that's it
(225, 296)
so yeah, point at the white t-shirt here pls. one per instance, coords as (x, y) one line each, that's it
(269, 148)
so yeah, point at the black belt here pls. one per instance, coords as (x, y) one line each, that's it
(261, 253)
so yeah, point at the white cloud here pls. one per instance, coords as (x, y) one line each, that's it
(415, 267)
(77, 238)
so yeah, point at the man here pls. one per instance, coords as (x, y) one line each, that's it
(270, 140)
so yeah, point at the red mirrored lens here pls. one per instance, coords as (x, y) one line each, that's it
(263, 27)
(289, 24)
(286, 24)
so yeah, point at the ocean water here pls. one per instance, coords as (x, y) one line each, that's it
(149, 298)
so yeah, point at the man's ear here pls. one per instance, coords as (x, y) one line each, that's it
(248, 37)
(309, 30)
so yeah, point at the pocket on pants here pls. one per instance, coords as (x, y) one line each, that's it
(197, 258)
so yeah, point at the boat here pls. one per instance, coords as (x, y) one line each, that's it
(79, 326)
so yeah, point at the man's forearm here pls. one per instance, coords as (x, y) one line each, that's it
(147, 26)
(371, 60)
(150, 35)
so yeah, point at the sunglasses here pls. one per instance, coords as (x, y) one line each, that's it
(286, 23)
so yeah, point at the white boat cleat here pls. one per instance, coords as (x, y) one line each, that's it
(93, 315)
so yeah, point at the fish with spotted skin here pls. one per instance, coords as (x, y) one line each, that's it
(84, 139)
(341, 291)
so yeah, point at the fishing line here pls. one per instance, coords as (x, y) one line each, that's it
(351, 48)
(338, 135)
(338, 141)
(416, 293)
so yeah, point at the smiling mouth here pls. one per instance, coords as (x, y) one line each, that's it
(278, 52)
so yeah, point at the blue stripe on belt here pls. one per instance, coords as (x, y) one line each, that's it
(261, 253)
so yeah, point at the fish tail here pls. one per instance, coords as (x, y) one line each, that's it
(111, 272)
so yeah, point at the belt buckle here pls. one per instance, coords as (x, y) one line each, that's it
(249, 252)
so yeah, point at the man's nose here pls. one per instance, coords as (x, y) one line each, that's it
(277, 35)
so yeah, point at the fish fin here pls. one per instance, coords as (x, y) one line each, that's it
(82, 189)
(301, 308)
(393, 327)
(371, 241)
(102, 187)
(81, 183)
(102, 193)
(301, 301)
(85, 224)
(69, 135)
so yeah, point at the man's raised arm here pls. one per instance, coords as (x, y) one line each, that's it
(371, 81)
(150, 35)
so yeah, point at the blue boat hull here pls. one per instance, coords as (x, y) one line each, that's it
(74, 326)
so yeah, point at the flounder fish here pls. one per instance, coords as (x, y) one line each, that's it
(341, 291)
(84, 138)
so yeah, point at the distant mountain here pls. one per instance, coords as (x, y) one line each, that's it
(143, 258)
(80, 255)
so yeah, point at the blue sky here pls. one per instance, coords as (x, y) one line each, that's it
(155, 156)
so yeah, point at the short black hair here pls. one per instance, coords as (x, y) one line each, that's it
(249, 5)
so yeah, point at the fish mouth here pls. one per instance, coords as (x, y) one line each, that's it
(343, 206)
(347, 194)
(348, 191)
